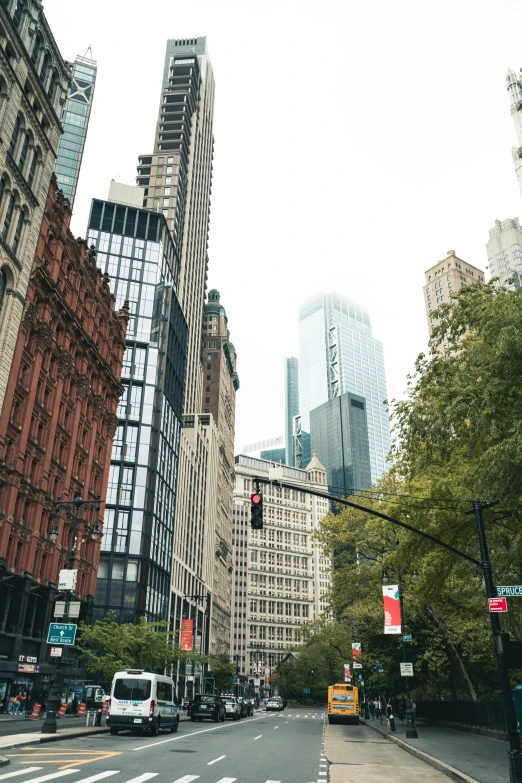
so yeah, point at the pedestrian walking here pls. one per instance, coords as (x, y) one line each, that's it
(16, 704)
(371, 707)
(414, 710)
(23, 702)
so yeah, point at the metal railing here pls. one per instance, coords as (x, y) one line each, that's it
(478, 714)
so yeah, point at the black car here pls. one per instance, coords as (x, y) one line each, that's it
(211, 707)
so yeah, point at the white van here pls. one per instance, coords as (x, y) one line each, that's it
(141, 700)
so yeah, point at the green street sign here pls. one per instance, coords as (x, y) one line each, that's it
(306, 690)
(509, 591)
(61, 633)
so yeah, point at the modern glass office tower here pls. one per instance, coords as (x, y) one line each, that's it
(135, 248)
(338, 354)
(291, 405)
(75, 122)
(339, 436)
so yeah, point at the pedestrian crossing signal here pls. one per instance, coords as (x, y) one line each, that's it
(256, 511)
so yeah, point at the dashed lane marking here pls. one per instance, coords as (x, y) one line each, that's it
(192, 734)
(218, 759)
(187, 779)
(258, 737)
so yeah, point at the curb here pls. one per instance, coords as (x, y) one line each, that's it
(441, 766)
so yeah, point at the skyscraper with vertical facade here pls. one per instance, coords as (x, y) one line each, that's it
(75, 121)
(135, 249)
(177, 178)
(291, 405)
(338, 353)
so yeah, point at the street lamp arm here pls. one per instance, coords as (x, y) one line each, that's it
(378, 514)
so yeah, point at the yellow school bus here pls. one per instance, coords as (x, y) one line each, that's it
(343, 703)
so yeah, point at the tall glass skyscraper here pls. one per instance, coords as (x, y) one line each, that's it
(291, 406)
(135, 248)
(338, 354)
(75, 123)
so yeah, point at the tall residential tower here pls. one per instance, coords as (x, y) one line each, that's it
(75, 123)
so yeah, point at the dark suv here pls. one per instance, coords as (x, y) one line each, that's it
(211, 707)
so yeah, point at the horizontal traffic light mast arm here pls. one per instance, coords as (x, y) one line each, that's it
(373, 513)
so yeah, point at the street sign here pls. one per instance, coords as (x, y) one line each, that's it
(377, 660)
(357, 665)
(407, 638)
(406, 670)
(61, 633)
(56, 652)
(306, 690)
(497, 604)
(380, 669)
(509, 591)
(67, 579)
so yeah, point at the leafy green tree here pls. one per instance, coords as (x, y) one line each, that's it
(458, 435)
(108, 647)
(222, 671)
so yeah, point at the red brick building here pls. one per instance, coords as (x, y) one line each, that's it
(56, 432)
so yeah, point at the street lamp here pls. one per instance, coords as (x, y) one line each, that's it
(411, 731)
(49, 726)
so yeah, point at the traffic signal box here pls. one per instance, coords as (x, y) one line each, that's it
(256, 511)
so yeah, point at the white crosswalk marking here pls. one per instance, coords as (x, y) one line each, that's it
(52, 776)
(227, 780)
(100, 776)
(20, 772)
(273, 781)
(143, 778)
(186, 779)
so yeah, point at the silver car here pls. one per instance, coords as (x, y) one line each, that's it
(232, 707)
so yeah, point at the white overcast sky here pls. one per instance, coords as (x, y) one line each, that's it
(355, 143)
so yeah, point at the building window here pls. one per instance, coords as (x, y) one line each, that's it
(8, 216)
(18, 232)
(166, 202)
(167, 191)
(3, 286)
(14, 136)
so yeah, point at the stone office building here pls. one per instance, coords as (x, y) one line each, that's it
(56, 431)
(34, 81)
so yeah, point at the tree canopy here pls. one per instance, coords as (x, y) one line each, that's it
(109, 647)
(457, 435)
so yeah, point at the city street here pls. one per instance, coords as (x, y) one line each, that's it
(267, 748)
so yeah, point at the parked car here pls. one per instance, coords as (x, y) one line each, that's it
(141, 700)
(249, 706)
(274, 703)
(206, 706)
(233, 707)
(185, 701)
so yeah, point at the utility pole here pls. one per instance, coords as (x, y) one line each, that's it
(515, 750)
(411, 731)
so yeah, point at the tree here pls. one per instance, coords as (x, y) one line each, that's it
(457, 435)
(222, 670)
(108, 647)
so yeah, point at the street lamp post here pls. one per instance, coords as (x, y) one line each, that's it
(49, 725)
(411, 731)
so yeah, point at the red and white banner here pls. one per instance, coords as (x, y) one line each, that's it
(392, 609)
(187, 635)
(356, 649)
(347, 673)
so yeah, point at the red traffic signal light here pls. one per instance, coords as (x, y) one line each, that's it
(256, 511)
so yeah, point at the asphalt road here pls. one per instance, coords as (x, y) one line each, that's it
(282, 747)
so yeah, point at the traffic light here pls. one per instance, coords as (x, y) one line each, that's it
(256, 511)
(311, 672)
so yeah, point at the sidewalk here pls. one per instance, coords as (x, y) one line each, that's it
(357, 755)
(481, 758)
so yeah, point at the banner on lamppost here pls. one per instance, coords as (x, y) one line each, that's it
(347, 673)
(356, 653)
(187, 635)
(392, 609)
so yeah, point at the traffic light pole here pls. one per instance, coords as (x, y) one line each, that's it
(515, 751)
